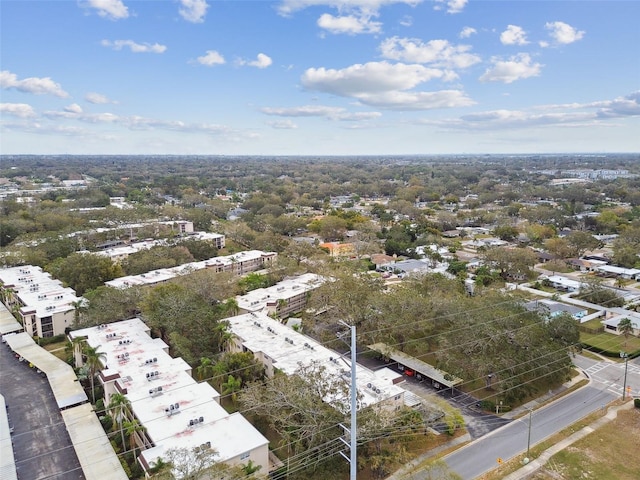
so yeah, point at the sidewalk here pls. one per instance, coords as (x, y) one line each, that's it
(534, 466)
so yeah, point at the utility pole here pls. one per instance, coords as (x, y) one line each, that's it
(626, 363)
(529, 437)
(353, 458)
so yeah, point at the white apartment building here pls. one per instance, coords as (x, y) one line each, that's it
(119, 252)
(279, 347)
(238, 263)
(45, 305)
(175, 410)
(283, 299)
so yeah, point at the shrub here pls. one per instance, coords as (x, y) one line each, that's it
(107, 422)
(636, 402)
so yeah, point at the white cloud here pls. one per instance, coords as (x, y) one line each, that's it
(417, 100)
(513, 35)
(508, 71)
(406, 21)
(437, 52)
(73, 108)
(303, 111)
(331, 113)
(563, 33)
(21, 110)
(467, 32)
(282, 124)
(111, 9)
(97, 98)
(134, 47)
(384, 85)
(348, 24)
(354, 16)
(452, 6)
(193, 11)
(628, 106)
(138, 123)
(288, 7)
(35, 85)
(567, 115)
(93, 118)
(211, 58)
(262, 61)
(372, 77)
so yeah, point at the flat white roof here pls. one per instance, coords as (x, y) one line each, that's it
(38, 291)
(8, 323)
(92, 446)
(62, 379)
(564, 281)
(230, 436)
(163, 395)
(618, 270)
(257, 299)
(7, 460)
(289, 349)
(163, 274)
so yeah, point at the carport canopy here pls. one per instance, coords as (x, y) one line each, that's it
(63, 380)
(443, 378)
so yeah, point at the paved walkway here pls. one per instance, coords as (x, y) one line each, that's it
(531, 468)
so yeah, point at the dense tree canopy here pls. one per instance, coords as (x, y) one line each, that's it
(84, 271)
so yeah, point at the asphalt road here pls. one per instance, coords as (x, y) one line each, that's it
(607, 380)
(482, 455)
(41, 443)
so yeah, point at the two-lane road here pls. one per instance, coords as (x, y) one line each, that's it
(482, 455)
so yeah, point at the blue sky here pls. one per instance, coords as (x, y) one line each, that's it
(319, 77)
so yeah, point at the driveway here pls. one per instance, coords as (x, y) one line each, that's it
(41, 444)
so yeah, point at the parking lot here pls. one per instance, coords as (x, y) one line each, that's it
(477, 422)
(41, 444)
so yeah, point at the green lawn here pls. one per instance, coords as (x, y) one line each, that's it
(610, 342)
(595, 323)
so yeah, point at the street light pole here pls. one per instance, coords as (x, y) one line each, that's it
(626, 363)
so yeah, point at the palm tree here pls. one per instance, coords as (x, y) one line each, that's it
(232, 386)
(231, 307)
(226, 335)
(93, 360)
(79, 308)
(205, 369)
(625, 327)
(251, 467)
(132, 428)
(119, 405)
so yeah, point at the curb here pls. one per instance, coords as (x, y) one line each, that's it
(530, 469)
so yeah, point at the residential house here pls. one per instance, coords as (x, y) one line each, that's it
(552, 309)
